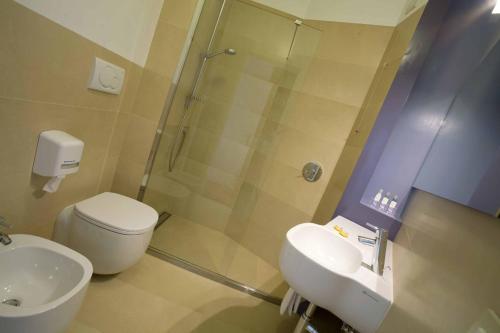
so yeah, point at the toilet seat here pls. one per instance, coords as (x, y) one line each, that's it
(117, 213)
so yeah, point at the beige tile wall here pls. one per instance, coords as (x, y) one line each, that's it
(44, 70)
(375, 96)
(446, 269)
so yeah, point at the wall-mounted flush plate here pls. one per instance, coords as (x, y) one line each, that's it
(106, 77)
(312, 171)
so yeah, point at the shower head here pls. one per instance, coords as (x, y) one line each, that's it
(225, 51)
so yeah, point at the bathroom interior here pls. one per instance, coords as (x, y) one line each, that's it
(250, 166)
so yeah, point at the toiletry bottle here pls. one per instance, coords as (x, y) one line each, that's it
(377, 198)
(392, 205)
(385, 201)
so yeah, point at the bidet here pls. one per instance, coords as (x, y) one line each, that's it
(42, 285)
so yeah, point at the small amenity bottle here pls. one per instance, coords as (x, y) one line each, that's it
(385, 201)
(392, 205)
(377, 198)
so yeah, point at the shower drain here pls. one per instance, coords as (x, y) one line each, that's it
(12, 301)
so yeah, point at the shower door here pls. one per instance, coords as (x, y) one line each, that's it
(217, 174)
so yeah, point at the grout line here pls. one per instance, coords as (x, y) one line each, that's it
(17, 99)
(133, 114)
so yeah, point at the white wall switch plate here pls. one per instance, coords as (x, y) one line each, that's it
(106, 77)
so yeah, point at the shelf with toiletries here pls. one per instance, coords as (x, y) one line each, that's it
(383, 202)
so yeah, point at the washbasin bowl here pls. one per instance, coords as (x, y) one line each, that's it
(42, 285)
(330, 271)
(325, 248)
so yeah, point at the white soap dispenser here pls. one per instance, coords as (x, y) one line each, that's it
(57, 154)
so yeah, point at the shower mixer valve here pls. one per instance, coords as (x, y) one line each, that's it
(312, 171)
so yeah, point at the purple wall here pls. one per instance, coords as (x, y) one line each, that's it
(468, 32)
(487, 194)
(350, 205)
(465, 155)
(450, 41)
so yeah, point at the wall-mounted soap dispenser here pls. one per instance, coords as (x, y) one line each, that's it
(57, 154)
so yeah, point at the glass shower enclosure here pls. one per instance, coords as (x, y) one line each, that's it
(225, 164)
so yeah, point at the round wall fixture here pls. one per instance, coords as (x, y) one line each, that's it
(312, 171)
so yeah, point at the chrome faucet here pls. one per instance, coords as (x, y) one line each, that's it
(4, 238)
(380, 244)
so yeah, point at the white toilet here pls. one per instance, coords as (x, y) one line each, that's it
(111, 230)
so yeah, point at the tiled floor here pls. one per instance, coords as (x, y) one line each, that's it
(214, 250)
(155, 296)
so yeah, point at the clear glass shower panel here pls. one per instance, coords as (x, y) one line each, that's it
(219, 193)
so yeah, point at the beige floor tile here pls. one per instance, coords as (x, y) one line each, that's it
(196, 243)
(155, 296)
(112, 305)
(238, 259)
(78, 327)
(250, 269)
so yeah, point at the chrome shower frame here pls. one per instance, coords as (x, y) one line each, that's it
(171, 95)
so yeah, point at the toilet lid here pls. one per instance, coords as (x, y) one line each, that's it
(117, 213)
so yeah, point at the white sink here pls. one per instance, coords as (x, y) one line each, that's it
(328, 270)
(325, 248)
(42, 285)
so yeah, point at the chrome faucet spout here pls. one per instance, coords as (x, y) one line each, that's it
(367, 240)
(4, 238)
(380, 245)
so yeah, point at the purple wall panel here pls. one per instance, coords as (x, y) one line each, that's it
(450, 41)
(464, 155)
(350, 205)
(487, 193)
(467, 34)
